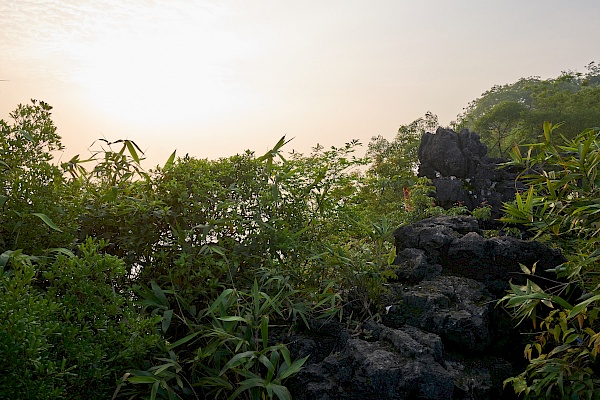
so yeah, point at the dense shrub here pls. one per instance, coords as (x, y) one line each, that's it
(67, 327)
(561, 206)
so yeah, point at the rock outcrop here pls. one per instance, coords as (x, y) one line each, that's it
(462, 173)
(441, 336)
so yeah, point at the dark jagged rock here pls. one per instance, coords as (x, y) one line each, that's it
(462, 173)
(455, 245)
(441, 336)
(384, 363)
(455, 308)
(455, 154)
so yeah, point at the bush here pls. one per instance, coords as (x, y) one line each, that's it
(67, 327)
(562, 205)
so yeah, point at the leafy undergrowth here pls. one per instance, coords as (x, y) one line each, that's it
(561, 206)
(120, 282)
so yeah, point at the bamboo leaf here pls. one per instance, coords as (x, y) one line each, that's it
(166, 320)
(154, 390)
(236, 360)
(131, 147)
(247, 385)
(46, 219)
(232, 318)
(184, 340)
(170, 161)
(142, 379)
(280, 391)
(160, 295)
(579, 307)
(264, 329)
(266, 362)
(559, 349)
(294, 368)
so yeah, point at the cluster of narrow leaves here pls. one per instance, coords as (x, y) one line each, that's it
(561, 206)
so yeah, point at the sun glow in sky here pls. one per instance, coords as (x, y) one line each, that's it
(213, 78)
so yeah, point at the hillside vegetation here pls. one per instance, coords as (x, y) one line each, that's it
(118, 281)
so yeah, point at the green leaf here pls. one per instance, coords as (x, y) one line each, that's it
(247, 385)
(559, 349)
(154, 391)
(46, 219)
(266, 362)
(294, 367)
(170, 161)
(63, 251)
(184, 340)
(160, 295)
(232, 318)
(26, 135)
(579, 307)
(4, 257)
(223, 297)
(561, 302)
(280, 391)
(264, 329)
(166, 320)
(236, 359)
(131, 147)
(286, 356)
(142, 379)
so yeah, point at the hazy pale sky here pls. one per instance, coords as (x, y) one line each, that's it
(213, 78)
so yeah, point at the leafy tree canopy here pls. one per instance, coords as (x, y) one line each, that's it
(514, 113)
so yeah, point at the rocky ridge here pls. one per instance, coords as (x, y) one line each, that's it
(441, 335)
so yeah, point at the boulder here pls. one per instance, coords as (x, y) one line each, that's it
(456, 246)
(455, 154)
(462, 173)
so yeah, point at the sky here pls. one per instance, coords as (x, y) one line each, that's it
(214, 78)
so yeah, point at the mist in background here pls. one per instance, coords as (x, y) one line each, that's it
(213, 78)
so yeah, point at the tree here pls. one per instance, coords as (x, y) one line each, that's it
(398, 157)
(501, 122)
(513, 114)
(32, 187)
(393, 169)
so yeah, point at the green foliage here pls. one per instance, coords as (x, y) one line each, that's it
(33, 195)
(562, 205)
(238, 346)
(173, 282)
(392, 172)
(66, 328)
(363, 266)
(399, 157)
(483, 213)
(228, 344)
(200, 237)
(513, 114)
(501, 122)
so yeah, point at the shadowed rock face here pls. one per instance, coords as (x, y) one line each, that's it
(461, 171)
(450, 153)
(441, 336)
